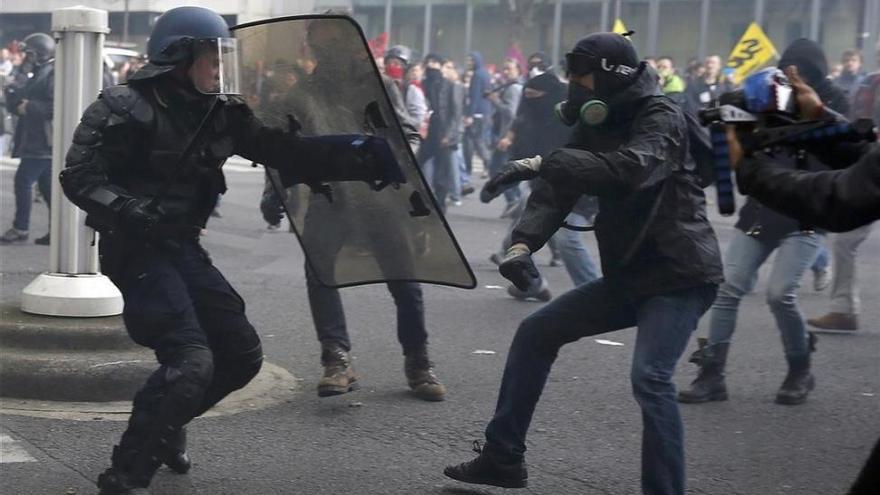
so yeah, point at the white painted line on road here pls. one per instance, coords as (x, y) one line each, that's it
(11, 451)
(114, 363)
(607, 342)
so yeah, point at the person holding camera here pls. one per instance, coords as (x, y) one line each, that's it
(837, 200)
(660, 258)
(759, 232)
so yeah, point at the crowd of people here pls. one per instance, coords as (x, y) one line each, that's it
(595, 143)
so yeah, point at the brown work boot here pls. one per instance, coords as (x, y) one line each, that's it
(836, 321)
(338, 376)
(421, 378)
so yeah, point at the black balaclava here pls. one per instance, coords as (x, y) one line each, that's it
(615, 66)
(809, 58)
(611, 58)
(538, 108)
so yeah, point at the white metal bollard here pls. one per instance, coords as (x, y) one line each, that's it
(73, 285)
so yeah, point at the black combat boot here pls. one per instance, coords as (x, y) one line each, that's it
(798, 382)
(174, 454)
(339, 377)
(709, 384)
(119, 478)
(420, 376)
(490, 469)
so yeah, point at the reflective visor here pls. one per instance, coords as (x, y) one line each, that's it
(214, 70)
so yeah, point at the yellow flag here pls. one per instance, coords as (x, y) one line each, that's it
(619, 28)
(752, 51)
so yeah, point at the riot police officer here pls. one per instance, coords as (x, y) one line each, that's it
(145, 165)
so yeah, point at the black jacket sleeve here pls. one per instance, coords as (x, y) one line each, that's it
(837, 200)
(299, 159)
(105, 139)
(640, 162)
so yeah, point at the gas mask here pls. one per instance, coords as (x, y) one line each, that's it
(582, 106)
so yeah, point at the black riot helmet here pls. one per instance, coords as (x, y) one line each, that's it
(400, 52)
(199, 39)
(39, 48)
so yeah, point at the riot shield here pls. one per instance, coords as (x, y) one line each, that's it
(315, 74)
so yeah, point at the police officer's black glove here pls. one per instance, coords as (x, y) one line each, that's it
(518, 267)
(137, 218)
(515, 171)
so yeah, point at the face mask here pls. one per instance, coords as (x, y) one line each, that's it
(535, 71)
(581, 106)
(394, 72)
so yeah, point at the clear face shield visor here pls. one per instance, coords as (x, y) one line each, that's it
(215, 68)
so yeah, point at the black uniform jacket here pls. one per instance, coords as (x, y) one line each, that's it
(130, 140)
(652, 229)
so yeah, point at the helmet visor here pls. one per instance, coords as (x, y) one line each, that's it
(214, 70)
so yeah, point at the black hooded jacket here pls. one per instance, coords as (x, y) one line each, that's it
(754, 218)
(653, 233)
(536, 128)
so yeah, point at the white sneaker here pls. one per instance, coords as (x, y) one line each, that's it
(821, 279)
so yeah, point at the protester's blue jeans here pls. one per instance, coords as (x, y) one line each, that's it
(578, 262)
(30, 170)
(664, 322)
(795, 254)
(823, 258)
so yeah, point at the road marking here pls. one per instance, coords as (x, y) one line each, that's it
(11, 451)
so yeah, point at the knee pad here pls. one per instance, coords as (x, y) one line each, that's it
(188, 376)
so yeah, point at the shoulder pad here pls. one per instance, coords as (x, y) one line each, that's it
(126, 103)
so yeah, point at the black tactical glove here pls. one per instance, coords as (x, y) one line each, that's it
(271, 206)
(518, 267)
(515, 171)
(138, 218)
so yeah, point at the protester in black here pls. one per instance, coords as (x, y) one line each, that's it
(659, 257)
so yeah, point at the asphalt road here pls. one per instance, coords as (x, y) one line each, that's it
(585, 437)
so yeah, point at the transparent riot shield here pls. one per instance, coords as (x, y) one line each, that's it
(315, 74)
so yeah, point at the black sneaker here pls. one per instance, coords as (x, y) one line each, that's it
(43, 241)
(486, 470)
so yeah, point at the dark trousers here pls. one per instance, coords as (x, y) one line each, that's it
(31, 170)
(329, 315)
(476, 141)
(178, 304)
(664, 324)
(441, 176)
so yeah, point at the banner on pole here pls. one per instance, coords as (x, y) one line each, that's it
(751, 52)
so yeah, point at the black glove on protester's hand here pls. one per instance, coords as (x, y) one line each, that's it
(271, 207)
(136, 218)
(518, 267)
(515, 171)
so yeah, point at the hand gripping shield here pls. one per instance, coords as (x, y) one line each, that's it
(315, 75)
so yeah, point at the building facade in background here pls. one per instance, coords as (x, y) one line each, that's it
(678, 28)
